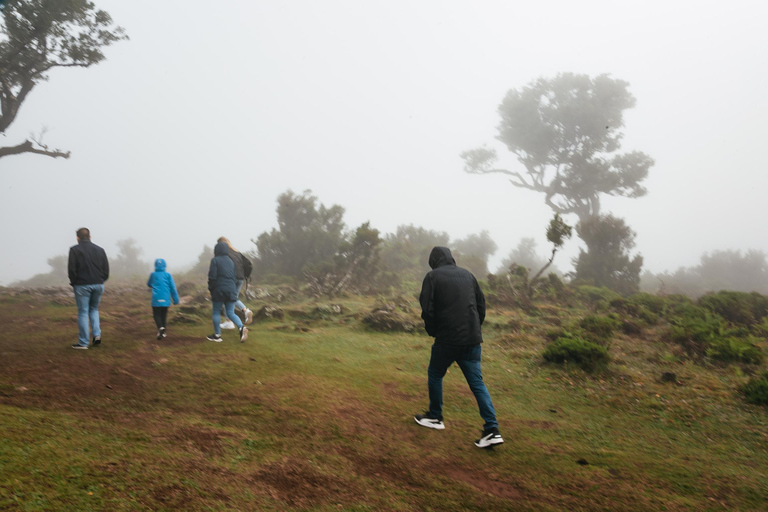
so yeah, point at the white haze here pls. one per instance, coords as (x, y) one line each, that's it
(191, 129)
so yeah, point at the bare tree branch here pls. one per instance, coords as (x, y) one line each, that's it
(29, 147)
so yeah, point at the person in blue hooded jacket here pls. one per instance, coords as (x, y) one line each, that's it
(222, 283)
(163, 292)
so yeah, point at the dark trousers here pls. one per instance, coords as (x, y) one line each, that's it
(468, 358)
(160, 313)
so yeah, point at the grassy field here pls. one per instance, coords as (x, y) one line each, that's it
(315, 412)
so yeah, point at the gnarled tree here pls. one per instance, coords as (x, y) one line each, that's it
(37, 36)
(565, 132)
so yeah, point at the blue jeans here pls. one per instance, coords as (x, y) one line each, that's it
(238, 303)
(468, 357)
(229, 308)
(88, 297)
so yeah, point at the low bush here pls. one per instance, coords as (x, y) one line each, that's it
(696, 330)
(585, 354)
(756, 390)
(735, 350)
(599, 298)
(653, 303)
(737, 307)
(599, 329)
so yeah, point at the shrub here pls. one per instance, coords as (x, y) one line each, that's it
(650, 302)
(696, 330)
(600, 298)
(732, 350)
(599, 328)
(756, 390)
(585, 354)
(736, 307)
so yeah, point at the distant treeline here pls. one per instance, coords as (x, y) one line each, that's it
(313, 245)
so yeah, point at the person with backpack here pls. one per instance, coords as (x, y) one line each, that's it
(163, 292)
(222, 283)
(243, 268)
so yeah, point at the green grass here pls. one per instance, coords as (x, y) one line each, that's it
(322, 420)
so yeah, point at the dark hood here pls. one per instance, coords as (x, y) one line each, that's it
(440, 256)
(221, 249)
(159, 265)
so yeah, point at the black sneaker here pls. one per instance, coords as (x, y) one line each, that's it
(243, 334)
(78, 346)
(96, 341)
(429, 421)
(490, 438)
(161, 333)
(214, 337)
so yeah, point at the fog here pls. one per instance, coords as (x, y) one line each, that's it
(190, 130)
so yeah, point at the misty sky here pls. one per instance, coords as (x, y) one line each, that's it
(190, 130)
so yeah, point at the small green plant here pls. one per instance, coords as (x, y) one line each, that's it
(756, 390)
(585, 354)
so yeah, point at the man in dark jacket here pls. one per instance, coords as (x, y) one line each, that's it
(88, 268)
(453, 309)
(222, 283)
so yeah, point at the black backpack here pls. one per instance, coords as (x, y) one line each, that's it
(247, 267)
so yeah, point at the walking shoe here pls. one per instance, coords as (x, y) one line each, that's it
(429, 421)
(96, 341)
(490, 437)
(214, 337)
(248, 316)
(162, 332)
(78, 346)
(243, 334)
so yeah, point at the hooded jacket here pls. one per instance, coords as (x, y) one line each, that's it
(87, 264)
(452, 303)
(163, 287)
(222, 277)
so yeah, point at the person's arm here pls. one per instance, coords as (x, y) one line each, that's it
(212, 272)
(174, 292)
(72, 266)
(105, 276)
(149, 281)
(480, 298)
(427, 299)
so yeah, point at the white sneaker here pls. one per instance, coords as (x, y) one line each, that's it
(248, 316)
(243, 334)
(229, 324)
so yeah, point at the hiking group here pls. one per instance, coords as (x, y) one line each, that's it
(452, 307)
(88, 269)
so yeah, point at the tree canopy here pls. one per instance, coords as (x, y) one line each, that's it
(308, 234)
(37, 36)
(566, 132)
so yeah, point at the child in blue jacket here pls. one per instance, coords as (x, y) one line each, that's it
(163, 291)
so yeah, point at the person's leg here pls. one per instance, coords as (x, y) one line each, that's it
(238, 303)
(82, 297)
(440, 360)
(157, 315)
(164, 317)
(217, 316)
(97, 290)
(469, 363)
(230, 309)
